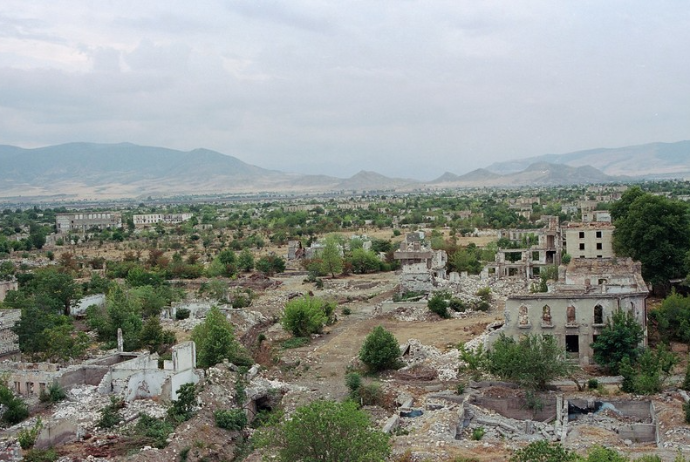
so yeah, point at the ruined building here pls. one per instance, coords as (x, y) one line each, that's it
(165, 218)
(576, 308)
(421, 267)
(589, 240)
(83, 222)
(536, 248)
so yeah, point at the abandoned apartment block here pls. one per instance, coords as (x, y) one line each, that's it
(164, 218)
(83, 222)
(576, 308)
(589, 240)
(534, 250)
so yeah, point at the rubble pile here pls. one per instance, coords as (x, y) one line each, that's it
(417, 354)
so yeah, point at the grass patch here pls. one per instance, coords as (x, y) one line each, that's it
(295, 342)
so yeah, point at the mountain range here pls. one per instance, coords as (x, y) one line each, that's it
(125, 170)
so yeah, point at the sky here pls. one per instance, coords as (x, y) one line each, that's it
(402, 87)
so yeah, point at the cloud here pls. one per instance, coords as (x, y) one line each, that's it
(403, 87)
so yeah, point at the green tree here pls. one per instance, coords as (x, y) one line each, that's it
(245, 262)
(533, 361)
(215, 341)
(330, 432)
(438, 303)
(673, 318)
(380, 350)
(364, 261)
(647, 374)
(304, 316)
(271, 265)
(654, 230)
(619, 339)
(330, 256)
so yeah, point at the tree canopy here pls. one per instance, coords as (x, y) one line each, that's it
(654, 230)
(330, 432)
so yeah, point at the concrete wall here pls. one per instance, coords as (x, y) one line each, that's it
(526, 315)
(517, 408)
(84, 303)
(590, 238)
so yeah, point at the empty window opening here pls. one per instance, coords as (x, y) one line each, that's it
(598, 234)
(572, 343)
(582, 234)
(582, 246)
(598, 314)
(600, 246)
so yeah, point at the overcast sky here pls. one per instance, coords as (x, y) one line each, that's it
(405, 88)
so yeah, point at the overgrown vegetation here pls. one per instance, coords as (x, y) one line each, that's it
(380, 350)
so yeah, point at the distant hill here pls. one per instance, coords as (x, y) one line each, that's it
(369, 181)
(92, 170)
(653, 160)
(537, 174)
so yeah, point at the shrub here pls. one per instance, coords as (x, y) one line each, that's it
(478, 433)
(380, 350)
(304, 316)
(602, 454)
(592, 384)
(110, 415)
(231, 419)
(686, 410)
(543, 451)
(334, 430)
(182, 408)
(647, 375)
(40, 455)
(438, 303)
(370, 394)
(295, 342)
(53, 394)
(347, 311)
(153, 431)
(182, 313)
(619, 339)
(27, 436)
(532, 362)
(353, 381)
(460, 388)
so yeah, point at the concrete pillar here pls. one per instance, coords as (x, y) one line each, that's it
(120, 341)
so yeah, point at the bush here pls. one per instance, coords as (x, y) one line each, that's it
(353, 381)
(27, 436)
(215, 341)
(53, 394)
(543, 451)
(182, 408)
(619, 339)
(438, 303)
(592, 384)
(153, 431)
(110, 415)
(295, 342)
(40, 455)
(347, 311)
(647, 375)
(686, 410)
(380, 350)
(370, 394)
(182, 313)
(602, 454)
(478, 433)
(532, 362)
(335, 430)
(231, 419)
(304, 316)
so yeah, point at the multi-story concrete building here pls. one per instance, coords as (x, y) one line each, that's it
(576, 308)
(165, 218)
(82, 222)
(589, 240)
